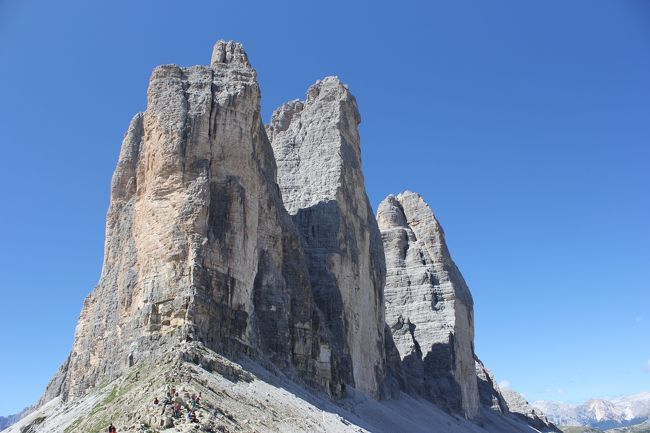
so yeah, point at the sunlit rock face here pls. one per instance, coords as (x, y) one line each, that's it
(317, 148)
(231, 246)
(429, 308)
(198, 243)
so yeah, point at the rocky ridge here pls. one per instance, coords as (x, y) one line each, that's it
(519, 406)
(231, 246)
(241, 397)
(600, 413)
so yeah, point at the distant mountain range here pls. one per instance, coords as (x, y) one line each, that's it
(599, 413)
(6, 421)
(639, 428)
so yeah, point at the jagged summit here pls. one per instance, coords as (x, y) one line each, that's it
(229, 52)
(316, 145)
(314, 141)
(245, 262)
(198, 244)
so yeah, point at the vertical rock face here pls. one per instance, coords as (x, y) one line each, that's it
(198, 243)
(428, 305)
(316, 146)
(218, 238)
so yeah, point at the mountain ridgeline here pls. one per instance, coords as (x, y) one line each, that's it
(231, 243)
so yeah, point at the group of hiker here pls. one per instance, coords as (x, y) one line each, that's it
(174, 404)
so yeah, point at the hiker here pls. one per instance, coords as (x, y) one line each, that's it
(112, 429)
(155, 401)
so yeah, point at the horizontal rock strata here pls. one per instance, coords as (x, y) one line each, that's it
(316, 146)
(428, 305)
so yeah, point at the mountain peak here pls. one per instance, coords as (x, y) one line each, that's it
(229, 52)
(241, 262)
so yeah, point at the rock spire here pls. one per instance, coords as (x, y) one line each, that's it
(198, 243)
(317, 148)
(428, 305)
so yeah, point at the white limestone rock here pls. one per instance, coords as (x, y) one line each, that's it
(428, 305)
(198, 243)
(316, 146)
(520, 408)
(209, 284)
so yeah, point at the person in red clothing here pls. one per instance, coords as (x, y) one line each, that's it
(112, 429)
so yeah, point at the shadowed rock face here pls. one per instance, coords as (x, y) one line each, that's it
(488, 389)
(520, 408)
(316, 146)
(198, 243)
(428, 305)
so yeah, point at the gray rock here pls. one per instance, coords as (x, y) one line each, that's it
(488, 389)
(429, 309)
(428, 305)
(214, 255)
(520, 408)
(198, 243)
(316, 146)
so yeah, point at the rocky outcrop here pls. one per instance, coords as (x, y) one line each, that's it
(240, 397)
(488, 389)
(316, 146)
(198, 243)
(520, 408)
(428, 305)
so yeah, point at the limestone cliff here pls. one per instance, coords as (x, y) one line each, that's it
(428, 305)
(429, 310)
(198, 243)
(244, 262)
(317, 148)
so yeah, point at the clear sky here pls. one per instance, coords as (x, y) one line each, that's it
(525, 125)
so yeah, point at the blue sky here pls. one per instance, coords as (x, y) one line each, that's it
(525, 125)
